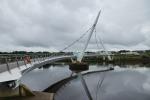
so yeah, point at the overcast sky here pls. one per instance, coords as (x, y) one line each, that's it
(48, 25)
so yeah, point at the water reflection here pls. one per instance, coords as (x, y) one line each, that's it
(40, 79)
(124, 83)
(120, 84)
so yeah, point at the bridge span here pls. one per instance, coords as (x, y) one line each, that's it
(15, 73)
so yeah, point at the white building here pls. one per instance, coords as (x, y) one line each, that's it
(130, 53)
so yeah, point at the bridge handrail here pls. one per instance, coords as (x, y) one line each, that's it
(19, 60)
(16, 60)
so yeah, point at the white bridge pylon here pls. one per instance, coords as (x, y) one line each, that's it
(77, 66)
(81, 54)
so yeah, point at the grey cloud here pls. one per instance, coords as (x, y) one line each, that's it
(54, 24)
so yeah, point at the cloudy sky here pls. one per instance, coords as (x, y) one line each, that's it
(48, 25)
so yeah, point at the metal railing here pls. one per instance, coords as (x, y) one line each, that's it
(10, 61)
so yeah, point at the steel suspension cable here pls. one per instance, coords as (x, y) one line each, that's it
(102, 44)
(96, 41)
(70, 45)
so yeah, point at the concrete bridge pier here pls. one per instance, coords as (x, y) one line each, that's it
(21, 90)
(22, 93)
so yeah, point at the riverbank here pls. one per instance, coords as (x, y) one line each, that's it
(141, 60)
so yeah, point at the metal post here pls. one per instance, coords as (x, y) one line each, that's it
(34, 58)
(38, 59)
(43, 58)
(84, 85)
(30, 58)
(7, 65)
(17, 63)
(24, 62)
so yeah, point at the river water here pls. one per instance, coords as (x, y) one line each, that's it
(129, 82)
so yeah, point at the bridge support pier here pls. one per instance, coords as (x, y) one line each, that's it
(21, 90)
(23, 93)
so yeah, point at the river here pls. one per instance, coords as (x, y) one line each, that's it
(128, 82)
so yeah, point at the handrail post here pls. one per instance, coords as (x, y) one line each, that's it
(7, 65)
(24, 62)
(38, 58)
(17, 62)
(43, 57)
(34, 58)
(30, 59)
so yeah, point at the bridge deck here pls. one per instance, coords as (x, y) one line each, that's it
(16, 73)
(13, 73)
(12, 65)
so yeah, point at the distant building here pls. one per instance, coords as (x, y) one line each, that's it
(130, 53)
(104, 53)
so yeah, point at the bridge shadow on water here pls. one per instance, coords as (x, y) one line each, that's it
(126, 82)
